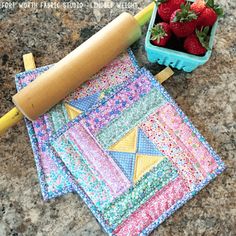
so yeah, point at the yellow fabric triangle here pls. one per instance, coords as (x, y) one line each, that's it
(127, 143)
(102, 95)
(72, 112)
(144, 163)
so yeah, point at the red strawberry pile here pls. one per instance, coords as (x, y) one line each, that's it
(183, 26)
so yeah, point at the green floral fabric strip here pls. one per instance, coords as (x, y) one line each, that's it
(130, 118)
(57, 117)
(126, 204)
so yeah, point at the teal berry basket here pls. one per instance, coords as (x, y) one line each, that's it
(174, 58)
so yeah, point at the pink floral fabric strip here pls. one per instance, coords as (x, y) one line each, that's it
(104, 165)
(201, 173)
(205, 160)
(101, 116)
(46, 163)
(153, 208)
(155, 130)
(40, 130)
(117, 72)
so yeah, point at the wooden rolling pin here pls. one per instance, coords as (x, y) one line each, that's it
(77, 67)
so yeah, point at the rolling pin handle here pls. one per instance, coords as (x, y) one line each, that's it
(144, 15)
(14, 115)
(10, 119)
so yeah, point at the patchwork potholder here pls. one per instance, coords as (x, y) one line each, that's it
(135, 158)
(52, 181)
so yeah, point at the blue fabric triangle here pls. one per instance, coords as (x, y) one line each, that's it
(145, 145)
(85, 103)
(126, 162)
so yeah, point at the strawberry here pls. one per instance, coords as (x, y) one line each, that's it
(198, 6)
(167, 7)
(197, 43)
(161, 34)
(209, 15)
(207, 18)
(183, 21)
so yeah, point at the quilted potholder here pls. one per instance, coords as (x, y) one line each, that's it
(52, 181)
(135, 158)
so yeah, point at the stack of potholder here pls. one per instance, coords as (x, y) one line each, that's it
(131, 154)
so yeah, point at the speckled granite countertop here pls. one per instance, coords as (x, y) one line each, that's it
(207, 96)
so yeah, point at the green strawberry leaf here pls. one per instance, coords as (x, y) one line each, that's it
(206, 30)
(219, 11)
(210, 3)
(203, 37)
(158, 32)
(185, 14)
